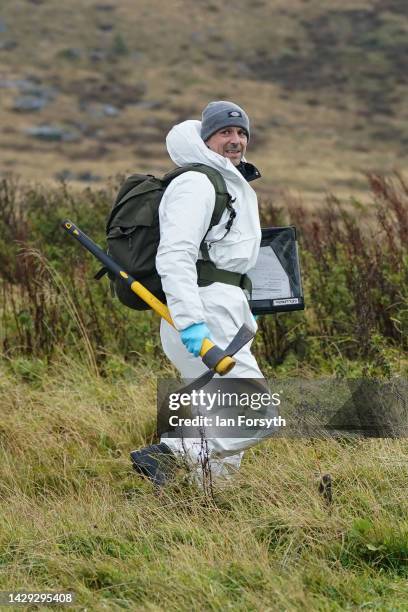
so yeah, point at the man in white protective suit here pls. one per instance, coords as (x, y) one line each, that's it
(218, 310)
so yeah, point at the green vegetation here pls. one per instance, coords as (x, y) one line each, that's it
(77, 389)
(355, 277)
(325, 86)
(75, 517)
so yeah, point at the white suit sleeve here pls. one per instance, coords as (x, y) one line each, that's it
(185, 214)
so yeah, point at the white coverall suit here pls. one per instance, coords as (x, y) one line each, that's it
(185, 214)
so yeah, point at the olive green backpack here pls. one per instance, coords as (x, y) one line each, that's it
(133, 232)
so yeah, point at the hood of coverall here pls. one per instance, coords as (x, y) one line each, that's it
(185, 146)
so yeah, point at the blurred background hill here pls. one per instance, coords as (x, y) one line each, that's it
(88, 88)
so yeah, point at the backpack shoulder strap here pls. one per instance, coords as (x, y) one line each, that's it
(222, 197)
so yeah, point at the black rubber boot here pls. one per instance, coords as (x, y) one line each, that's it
(157, 462)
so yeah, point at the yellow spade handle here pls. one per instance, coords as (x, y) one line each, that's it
(150, 299)
(223, 367)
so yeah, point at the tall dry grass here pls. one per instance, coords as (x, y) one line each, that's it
(77, 393)
(355, 273)
(75, 517)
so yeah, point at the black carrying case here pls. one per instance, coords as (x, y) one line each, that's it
(276, 278)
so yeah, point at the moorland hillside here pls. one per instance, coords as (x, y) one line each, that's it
(89, 88)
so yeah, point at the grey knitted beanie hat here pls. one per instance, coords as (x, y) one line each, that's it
(218, 115)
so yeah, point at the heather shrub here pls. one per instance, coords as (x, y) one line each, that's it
(355, 274)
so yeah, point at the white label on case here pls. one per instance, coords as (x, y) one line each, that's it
(285, 301)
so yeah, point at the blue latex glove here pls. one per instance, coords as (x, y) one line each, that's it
(192, 337)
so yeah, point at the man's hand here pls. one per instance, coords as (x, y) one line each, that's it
(192, 337)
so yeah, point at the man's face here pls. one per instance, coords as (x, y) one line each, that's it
(229, 142)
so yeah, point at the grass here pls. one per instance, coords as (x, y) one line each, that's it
(77, 393)
(77, 371)
(75, 517)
